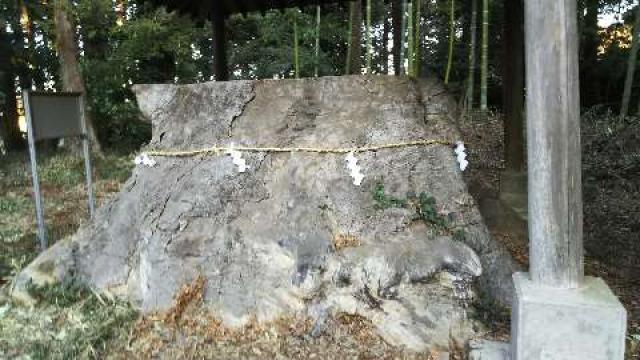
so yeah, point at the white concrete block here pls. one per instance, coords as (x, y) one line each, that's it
(588, 323)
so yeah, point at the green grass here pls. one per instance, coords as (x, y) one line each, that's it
(9, 205)
(70, 321)
(62, 169)
(62, 180)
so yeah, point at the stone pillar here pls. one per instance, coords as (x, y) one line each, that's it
(557, 312)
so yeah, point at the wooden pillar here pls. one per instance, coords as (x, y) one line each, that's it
(220, 67)
(553, 135)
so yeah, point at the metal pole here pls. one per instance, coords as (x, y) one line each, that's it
(87, 156)
(553, 136)
(42, 235)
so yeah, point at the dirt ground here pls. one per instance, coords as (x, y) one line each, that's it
(71, 321)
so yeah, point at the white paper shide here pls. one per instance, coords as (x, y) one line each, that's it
(461, 155)
(144, 160)
(354, 168)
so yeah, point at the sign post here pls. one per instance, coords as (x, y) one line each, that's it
(51, 116)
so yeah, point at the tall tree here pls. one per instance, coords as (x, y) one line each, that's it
(355, 34)
(484, 62)
(631, 67)
(513, 84)
(68, 56)
(472, 55)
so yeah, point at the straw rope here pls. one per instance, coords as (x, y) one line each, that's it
(223, 149)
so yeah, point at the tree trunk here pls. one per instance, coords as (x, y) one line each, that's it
(513, 85)
(631, 67)
(220, 68)
(452, 34)
(472, 54)
(26, 23)
(396, 19)
(11, 136)
(591, 88)
(355, 20)
(69, 66)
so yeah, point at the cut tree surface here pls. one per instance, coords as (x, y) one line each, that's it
(293, 234)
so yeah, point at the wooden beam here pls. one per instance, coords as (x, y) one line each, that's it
(553, 134)
(220, 68)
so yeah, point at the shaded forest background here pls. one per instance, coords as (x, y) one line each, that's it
(123, 42)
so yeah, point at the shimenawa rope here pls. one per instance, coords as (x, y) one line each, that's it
(224, 149)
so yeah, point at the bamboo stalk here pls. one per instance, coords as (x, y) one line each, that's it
(386, 28)
(369, 38)
(317, 64)
(347, 69)
(472, 55)
(403, 30)
(452, 35)
(410, 39)
(417, 39)
(296, 50)
(484, 66)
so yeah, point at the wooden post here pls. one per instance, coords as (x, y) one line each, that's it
(220, 69)
(553, 129)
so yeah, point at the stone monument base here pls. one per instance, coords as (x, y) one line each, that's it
(566, 324)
